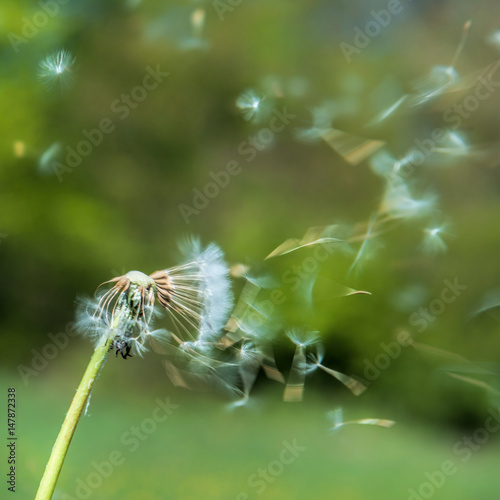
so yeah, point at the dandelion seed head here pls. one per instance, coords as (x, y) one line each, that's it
(196, 295)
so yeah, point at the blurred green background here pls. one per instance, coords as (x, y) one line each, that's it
(119, 209)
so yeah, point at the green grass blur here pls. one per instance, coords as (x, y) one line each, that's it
(204, 451)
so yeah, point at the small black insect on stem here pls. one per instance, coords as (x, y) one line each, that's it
(122, 347)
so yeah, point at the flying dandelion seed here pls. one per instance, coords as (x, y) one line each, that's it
(249, 359)
(399, 204)
(337, 419)
(408, 161)
(198, 22)
(355, 386)
(441, 78)
(181, 26)
(388, 111)
(453, 144)
(490, 303)
(48, 157)
(433, 242)
(253, 327)
(366, 250)
(352, 148)
(332, 290)
(322, 117)
(437, 82)
(250, 104)
(56, 69)
(383, 163)
(294, 390)
(477, 382)
(250, 318)
(320, 235)
(462, 365)
(239, 270)
(195, 41)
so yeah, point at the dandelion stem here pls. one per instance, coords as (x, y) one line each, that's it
(54, 465)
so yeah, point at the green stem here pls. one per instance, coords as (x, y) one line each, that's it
(54, 465)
